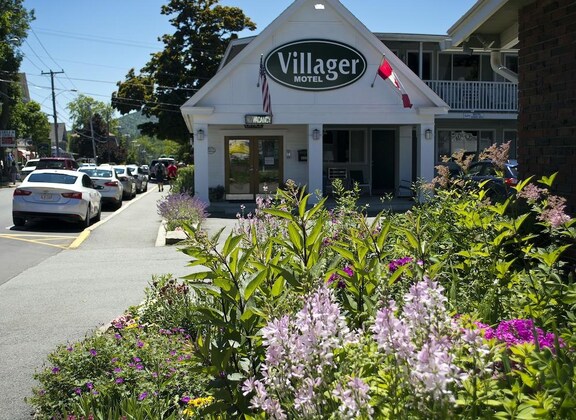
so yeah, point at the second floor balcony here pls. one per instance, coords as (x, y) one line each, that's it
(464, 96)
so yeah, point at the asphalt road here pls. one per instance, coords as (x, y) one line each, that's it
(21, 248)
(62, 294)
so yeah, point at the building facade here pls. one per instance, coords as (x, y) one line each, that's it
(333, 116)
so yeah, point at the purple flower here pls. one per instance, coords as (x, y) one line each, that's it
(93, 352)
(348, 270)
(119, 380)
(70, 348)
(89, 385)
(396, 264)
(78, 391)
(136, 359)
(117, 370)
(55, 369)
(142, 396)
(118, 336)
(140, 343)
(185, 399)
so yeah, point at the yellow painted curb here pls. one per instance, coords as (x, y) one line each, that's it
(78, 241)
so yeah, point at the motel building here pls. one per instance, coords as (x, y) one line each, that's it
(332, 115)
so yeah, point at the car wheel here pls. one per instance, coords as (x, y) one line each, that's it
(118, 204)
(18, 221)
(99, 215)
(86, 222)
(145, 187)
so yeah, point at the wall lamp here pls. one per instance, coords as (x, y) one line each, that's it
(316, 134)
(428, 134)
(200, 135)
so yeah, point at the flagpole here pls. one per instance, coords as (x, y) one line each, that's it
(259, 69)
(376, 75)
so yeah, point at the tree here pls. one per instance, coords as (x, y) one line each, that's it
(190, 58)
(91, 124)
(14, 24)
(31, 123)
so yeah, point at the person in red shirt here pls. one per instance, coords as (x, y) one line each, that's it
(172, 172)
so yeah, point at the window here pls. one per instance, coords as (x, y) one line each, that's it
(344, 146)
(414, 64)
(470, 141)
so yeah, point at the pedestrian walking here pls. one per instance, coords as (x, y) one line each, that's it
(13, 172)
(172, 171)
(160, 175)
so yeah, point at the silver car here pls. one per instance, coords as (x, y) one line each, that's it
(140, 176)
(105, 178)
(128, 181)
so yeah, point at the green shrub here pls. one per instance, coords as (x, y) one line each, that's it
(184, 182)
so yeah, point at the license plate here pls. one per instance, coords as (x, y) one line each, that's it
(45, 196)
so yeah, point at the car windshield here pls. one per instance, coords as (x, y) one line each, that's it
(97, 173)
(31, 163)
(52, 178)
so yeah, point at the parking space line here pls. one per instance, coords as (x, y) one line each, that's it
(39, 239)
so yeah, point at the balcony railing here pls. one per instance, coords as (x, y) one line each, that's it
(465, 96)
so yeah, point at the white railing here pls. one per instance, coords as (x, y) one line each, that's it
(477, 96)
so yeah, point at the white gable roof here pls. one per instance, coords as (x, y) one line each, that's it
(233, 91)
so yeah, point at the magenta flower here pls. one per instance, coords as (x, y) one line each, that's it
(185, 399)
(396, 264)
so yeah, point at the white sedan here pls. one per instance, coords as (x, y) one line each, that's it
(56, 194)
(108, 184)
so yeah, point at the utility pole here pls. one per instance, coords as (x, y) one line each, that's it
(92, 136)
(52, 73)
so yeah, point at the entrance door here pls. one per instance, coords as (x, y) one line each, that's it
(253, 166)
(383, 160)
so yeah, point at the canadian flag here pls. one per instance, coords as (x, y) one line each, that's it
(385, 71)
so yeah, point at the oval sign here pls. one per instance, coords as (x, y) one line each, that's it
(315, 64)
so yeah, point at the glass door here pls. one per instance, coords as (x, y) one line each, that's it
(253, 166)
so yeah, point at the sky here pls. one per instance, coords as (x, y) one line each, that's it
(96, 43)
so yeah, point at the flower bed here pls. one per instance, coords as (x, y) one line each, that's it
(460, 308)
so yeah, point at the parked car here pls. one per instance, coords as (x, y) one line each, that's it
(141, 178)
(28, 168)
(56, 194)
(165, 161)
(499, 185)
(57, 163)
(112, 190)
(127, 180)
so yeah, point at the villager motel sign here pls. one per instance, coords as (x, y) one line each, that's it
(315, 64)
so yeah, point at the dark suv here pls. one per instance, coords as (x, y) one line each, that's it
(499, 184)
(57, 163)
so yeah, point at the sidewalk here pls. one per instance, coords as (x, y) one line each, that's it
(76, 291)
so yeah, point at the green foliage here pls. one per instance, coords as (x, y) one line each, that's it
(495, 262)
(174, 74)
(184, 182)
(131, 368)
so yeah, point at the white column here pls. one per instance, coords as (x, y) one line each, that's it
(426, 158)
(314, 160)
(201, 162)
(404, 172)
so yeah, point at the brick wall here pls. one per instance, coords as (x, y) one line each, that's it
(547, 94)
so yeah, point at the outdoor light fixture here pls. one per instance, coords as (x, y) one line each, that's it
(319, 6)
(200, 135)
(316, 134)
(428, 134)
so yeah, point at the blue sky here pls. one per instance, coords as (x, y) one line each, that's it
(96, 43)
